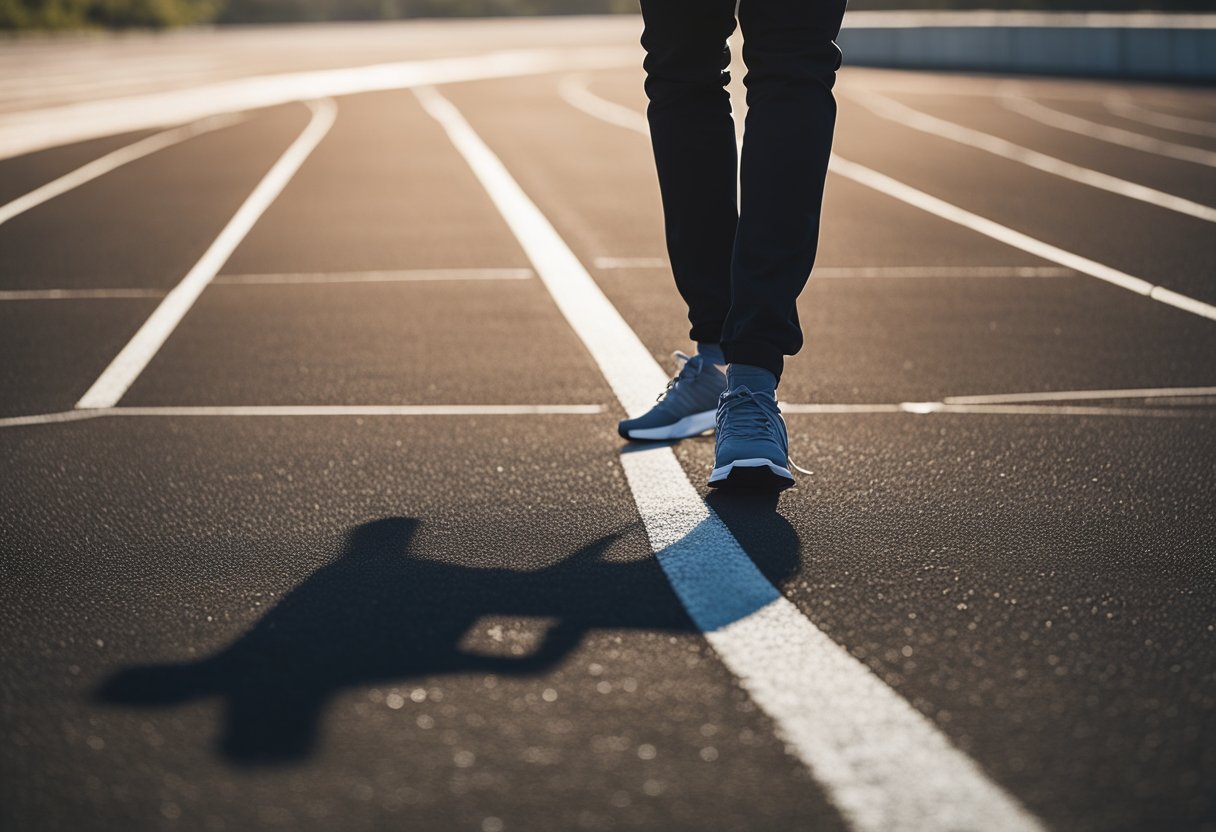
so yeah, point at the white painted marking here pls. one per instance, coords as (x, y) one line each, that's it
(49, 418)
(312, 410)
(1065, 410)
(790, 409)
(917, 272)
(398, 276)
(1123, 106)
(129, 363)
(927, 408)
(865, 272)
(939, 207)
(1085, 395)
(1104, 132)
(953, 213)
(77, 294)
(573, 90)
(110, 161)
(632, 373)
(892, 110)
(630, 262)
(28, 131)
(882, 763)
(368, 410)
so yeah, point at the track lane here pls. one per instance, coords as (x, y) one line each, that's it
(482, 650)
(953, 474)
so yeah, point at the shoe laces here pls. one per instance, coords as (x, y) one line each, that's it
(689, 368)
(744, 412)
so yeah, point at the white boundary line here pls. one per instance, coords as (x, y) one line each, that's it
(892, 110)
(77, 294)
(317, 278)
(595, 106)
(313, 410)
(630, 263)
(25, 132)
(947, 211)
(129, 363)
(1122, 105)
(917, 272)
(930, 408)
(867, 272)
(1084, 395)
(951, 405)
(114, 159)
(883, 764)
(397, 276)
(1103, 132)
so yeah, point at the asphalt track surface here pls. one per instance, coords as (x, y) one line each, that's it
(438, 605)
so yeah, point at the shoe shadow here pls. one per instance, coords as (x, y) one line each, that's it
(383, 613)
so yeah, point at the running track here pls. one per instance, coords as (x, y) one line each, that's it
(314, 515)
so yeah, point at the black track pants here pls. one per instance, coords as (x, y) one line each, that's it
(740, 270)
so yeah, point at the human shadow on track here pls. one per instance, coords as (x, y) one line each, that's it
(382, 613)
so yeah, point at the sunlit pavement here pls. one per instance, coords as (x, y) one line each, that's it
(314, 514)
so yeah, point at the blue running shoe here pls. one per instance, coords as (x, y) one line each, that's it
(751, 449)
(686, 408)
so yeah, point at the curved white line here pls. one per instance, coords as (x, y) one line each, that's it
(1124, 107)
(114, 159)
(902, 114)
(1103, 132)
(939, 207)
(24, 132)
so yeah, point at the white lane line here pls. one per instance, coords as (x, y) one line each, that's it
(917, 272)
(1085, 395)
(865, 272)
(78, 294)
(892, 110)
(114, 159)
(398, 276)
(401, 276)
(882, 763)
(1103, 132)
(947, 211)
(313, 410)
(368, 410)
(939, 207)
(573, 90)
(129, 363)
(928, 408)
(1122, 105)
(630, 262)
(793, 409)
(631, 371)
(50, 418)
(24, 132)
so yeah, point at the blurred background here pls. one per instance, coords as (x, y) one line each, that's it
(16, 15)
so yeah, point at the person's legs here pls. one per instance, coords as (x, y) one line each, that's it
(791, 62)
(693, 136)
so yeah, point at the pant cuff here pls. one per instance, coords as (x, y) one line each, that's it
(706, 333)
(758, 355)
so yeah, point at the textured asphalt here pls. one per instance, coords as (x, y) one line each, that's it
(456, 622)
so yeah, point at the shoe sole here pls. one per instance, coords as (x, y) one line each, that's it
(752, 475)
(694, 425)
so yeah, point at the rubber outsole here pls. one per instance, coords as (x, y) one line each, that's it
(751, 475)
(693, 425)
